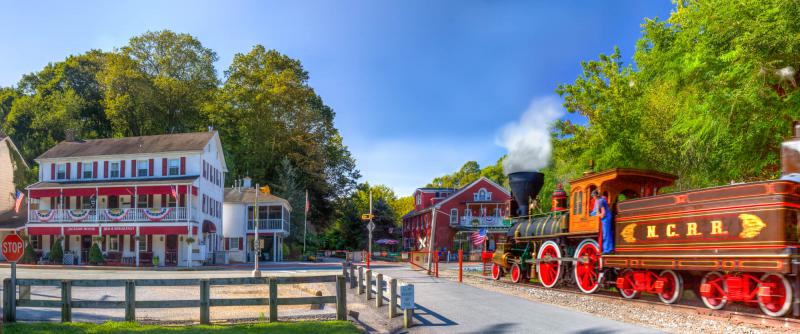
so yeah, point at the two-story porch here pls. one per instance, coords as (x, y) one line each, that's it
(134, 222)
(243, 225)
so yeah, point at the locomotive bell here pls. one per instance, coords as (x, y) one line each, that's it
(525, 186)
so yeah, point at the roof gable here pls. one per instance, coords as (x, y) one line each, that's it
(469, 186)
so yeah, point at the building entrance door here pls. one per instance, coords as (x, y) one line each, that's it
(171, 250)
(86, 244)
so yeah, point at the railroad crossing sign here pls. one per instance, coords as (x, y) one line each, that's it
(367, 216)
(371, 226)
(12, 247)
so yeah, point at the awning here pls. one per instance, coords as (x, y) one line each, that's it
(119, 230)
(115, 191)
(81, 230)
(150, 230)
(39, 193)
(80, 191)
(209, 227)
(160, 190)
(42, 230)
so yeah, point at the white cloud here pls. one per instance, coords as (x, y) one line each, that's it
(528, 140)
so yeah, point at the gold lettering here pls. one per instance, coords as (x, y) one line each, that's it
(651, 231)
(691, 230)
(671, 231)
(716, 227)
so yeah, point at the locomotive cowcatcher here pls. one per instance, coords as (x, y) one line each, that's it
(733, 243)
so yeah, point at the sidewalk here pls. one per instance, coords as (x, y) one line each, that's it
(445, 306)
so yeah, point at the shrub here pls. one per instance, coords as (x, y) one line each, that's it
(56, 252)
(95, 255)
(29, 255)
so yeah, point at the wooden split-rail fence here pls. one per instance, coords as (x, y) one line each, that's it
(130, 304)
(375, 286)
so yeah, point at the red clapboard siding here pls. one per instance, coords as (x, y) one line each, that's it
(80, 167)
(183, 165)
(164, 167)
(69, 168)
(105, 169)
(94, 169)
(52, 171)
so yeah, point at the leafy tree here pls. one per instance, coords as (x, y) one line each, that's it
(56, 252)
(470, 172)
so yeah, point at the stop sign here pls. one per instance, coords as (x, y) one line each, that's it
(12, 247)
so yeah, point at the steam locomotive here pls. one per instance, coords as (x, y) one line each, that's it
(733, 243)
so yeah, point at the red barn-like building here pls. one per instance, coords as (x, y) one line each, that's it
(459, 213)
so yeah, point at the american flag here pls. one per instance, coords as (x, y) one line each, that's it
(308, 204)
(20, 196)
(478, 237)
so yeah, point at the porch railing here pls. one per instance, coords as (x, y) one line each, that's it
(477, 221)
(106, 215)
(269, 224)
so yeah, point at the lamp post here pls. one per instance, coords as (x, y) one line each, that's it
(256, 243)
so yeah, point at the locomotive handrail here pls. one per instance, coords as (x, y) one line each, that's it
(543, 214)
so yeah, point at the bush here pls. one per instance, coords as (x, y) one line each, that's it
(29, 255)
(95, 255)
(56, 252)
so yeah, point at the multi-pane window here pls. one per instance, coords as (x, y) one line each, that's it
(61, 171)
(36, 242)
(144, 242)
(453, 216)
(87, 170)
(234, 243)
(113, 170)
(171, 200)
(86, 202)
(141, 201)
(174, 166)
(142, 168)
(113, 243)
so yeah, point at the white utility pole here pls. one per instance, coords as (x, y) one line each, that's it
(371, 224)
(432, 242)
(256, 243)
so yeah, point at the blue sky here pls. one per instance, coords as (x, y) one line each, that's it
(419, 87)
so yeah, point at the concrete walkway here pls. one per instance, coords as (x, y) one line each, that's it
(444, 306)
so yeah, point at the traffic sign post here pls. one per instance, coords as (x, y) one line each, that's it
(12, 248)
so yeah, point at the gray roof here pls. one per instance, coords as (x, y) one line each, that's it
(178, 142)
(248, 195)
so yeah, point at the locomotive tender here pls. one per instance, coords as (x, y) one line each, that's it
(733, 243)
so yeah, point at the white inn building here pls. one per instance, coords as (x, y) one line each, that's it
(141, 198)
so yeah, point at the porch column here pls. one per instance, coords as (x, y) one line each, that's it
(137, 245)
(188, 225)
(274, 246)
(96, 204)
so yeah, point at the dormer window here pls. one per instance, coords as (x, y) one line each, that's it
(482, 195)
(87, 170)
(419, 199)
(61, 171)
(142, 167)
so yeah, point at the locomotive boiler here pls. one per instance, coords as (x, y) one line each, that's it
(733, 243)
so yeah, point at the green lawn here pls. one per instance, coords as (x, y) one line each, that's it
(310, 327)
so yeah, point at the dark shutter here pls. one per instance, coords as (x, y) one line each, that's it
(52, 203)
(69, 169)
(151, 167)
(66, 204)
(150, 243)
(133, 168)
(105, 169)
(94, 169)
(149, 201)
(164, 167)
(164, 200)
(103, 243)
(52, 171)
(183, 165)
(122, 168)
(227, 243)
(66, 242)
(80, 168)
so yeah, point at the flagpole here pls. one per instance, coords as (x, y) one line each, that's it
(305, 223)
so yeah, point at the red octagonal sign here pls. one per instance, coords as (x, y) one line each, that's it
(13, 247)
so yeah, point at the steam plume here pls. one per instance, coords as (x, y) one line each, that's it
(528, 140)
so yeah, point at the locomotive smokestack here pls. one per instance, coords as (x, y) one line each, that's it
(790, 152)
(525, 186)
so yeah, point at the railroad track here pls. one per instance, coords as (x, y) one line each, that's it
(739, 314)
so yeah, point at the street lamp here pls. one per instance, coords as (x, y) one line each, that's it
(433, 235)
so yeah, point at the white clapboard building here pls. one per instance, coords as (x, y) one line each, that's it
(240, 223)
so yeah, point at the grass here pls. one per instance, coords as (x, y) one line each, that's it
(310, 327)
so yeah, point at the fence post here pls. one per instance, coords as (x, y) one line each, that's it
(392, 298)
(460, 264)
(130, 300)
(273, 300)
(7, 316)
(379, 290)
(66, 301)
(368, 284)
(341, 299)
(360, 280)
(205, 305)
(352, 277)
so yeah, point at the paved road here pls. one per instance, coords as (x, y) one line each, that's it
(448, 307)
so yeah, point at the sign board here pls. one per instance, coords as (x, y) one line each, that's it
(261, 243)
(407, 296)
(12, 247)
(367, 216)
(371, 226)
